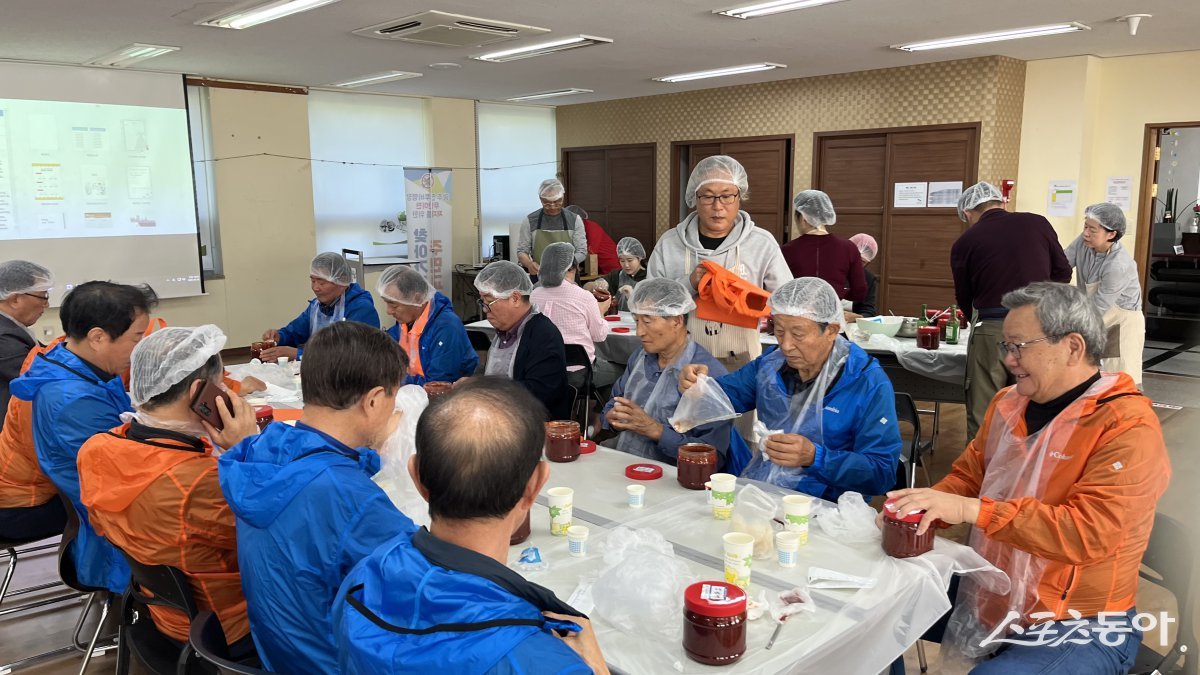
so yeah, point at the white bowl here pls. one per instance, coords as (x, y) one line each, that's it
(883, 325)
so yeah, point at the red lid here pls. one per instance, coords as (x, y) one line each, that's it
(612, 317)
(889, 510)
(263, 410)
(587, 447)
(620, 329)
(715, 598)
(643, 471)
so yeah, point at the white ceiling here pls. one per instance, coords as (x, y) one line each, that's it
(651, 38)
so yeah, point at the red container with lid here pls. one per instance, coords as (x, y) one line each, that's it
(900, 538)
(696, 464)
(927, 337)
(942, 323)
(714, 623)
(562, 441)
(263, 415)
(643, 472)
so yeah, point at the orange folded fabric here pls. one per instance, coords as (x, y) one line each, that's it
(727, 298)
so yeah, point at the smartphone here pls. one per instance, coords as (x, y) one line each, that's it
(205, 404)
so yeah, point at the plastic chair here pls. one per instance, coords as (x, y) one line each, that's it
(577, 356)
(1168, 562)
(906, 411)
(159, 586)
(208, 640)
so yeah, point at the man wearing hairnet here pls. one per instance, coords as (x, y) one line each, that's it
(24, 295)
(550, 224)
(828, 409)
(817, 253)
(647, 393)
(574, 311)
(721, 232)
(528, 347)
(338, 298)
(1106, 272)
(150, 485)
(999, 252)
(869, 305)
(599, 243)
(426, 327)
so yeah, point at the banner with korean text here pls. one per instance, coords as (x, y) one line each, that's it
(427, 209)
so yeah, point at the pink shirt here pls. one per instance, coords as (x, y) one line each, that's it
(575, 312)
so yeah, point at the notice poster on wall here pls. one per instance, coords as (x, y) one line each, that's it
(1061, 197)
(944, 193)
(427, 197)
(1119, 190)
(910, 195)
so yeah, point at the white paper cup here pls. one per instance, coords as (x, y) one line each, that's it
(796, 514)
(577, 536)
(787, 544)
(636, 495)
(739, 553)
(282, 360)
(723, 487)
(560, 499)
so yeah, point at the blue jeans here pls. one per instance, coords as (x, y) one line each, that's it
(1022, 655)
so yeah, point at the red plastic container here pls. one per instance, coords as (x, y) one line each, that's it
(714, 623)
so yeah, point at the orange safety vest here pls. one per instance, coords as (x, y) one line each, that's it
(724, 297)
(410, 341)
(22, 483)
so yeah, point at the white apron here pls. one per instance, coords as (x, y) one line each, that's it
(1132, 339)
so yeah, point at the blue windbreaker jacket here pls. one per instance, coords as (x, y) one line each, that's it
(71, 403)
(446, 351)
(416, 582)
(861, 437)
(307, 511)
(360, 307)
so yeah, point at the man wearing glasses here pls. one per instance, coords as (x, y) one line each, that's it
(1060, 486)
(548, 225)
(24, 295)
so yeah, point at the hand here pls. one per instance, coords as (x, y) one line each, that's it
(690, 375)
(251, 384)
(949, 508)
(271, 334)
(238, 423)
(605, 305)
(272, 354)
(533, 267)
(697, 276)
(626, 290)
(850, 317)
(583, 643)
(629, 416)
(790, 450)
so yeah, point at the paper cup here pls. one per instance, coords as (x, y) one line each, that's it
(282, 360)
(723, 487)
(796, 512)
(739, 553)
(560, 509)
(787, 544)
(577, 536)
(636, 495)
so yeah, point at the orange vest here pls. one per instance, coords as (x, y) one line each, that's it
(724, 297)
(22, 483)
(410, 341)
(164, 506)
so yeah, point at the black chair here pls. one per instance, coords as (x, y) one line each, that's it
(481, 343)
(906, 411)
(1168, 562)
(578, 356)
(158, 586)
(66, 570)
(11, 546)
(208, 640)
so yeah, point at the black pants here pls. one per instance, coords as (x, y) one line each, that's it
(31, 523)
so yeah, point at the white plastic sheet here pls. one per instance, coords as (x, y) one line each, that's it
(393, 476)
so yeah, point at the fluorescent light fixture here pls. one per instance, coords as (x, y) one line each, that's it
(131, 54)
(998, 36)
(247, 16)
(542, 48)
(549, 94)
(376, 78)
(720, 72)
(765, 8)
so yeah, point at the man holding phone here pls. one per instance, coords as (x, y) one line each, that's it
(150, 485)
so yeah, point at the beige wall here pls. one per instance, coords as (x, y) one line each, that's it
(1085, 120)
(986, 90)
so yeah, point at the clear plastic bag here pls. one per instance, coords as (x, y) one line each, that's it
(754, 513)
(853, 521)
(704, 403)
(762, 468)
(641, 589)
(393, 476)
(283, 376)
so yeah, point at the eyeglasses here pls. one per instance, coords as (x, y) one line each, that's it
(556, 202)
(486, 307)
(43, 298)
(709, 200)
(1014, 348)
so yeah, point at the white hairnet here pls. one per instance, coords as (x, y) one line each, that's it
(661, 297)
(631, 247)
(503, 278)
(163, 358)
(402, 284)
(808, 297)
(577, 210)
(22, 276)
(557, 258)
(979, 193)
(717, 169)
(867, 248)
(816, 207)
(551, 189)
(331, 267)
(1110, 216)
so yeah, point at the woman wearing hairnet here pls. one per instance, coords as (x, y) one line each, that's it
(24, 296)
(1107, 273)
(338, 298)
(621, 281)
(868, 306)
(550, 224)
(828, 408)
(426, 327)
(817, 253)
(721, 232)
(647, 393)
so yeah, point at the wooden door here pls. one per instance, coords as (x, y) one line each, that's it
(853, 172)
(615, 185)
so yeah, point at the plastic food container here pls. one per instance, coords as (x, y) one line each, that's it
(900, 539)
(927, 337)
(436, 389)
(714, 623)
(521, 533)
(562, 441)
(263, 415)
(696, 464)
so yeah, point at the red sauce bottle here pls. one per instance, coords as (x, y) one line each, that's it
(714, 623)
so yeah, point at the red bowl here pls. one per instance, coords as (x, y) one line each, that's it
(620, 329)
(612, 317)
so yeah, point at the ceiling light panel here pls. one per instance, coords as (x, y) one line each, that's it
(768, 8)
(720, 72)
(131, 54)
(542, 48)
(252, 15)
(997, 36)
(376, 78)
(549, 94)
